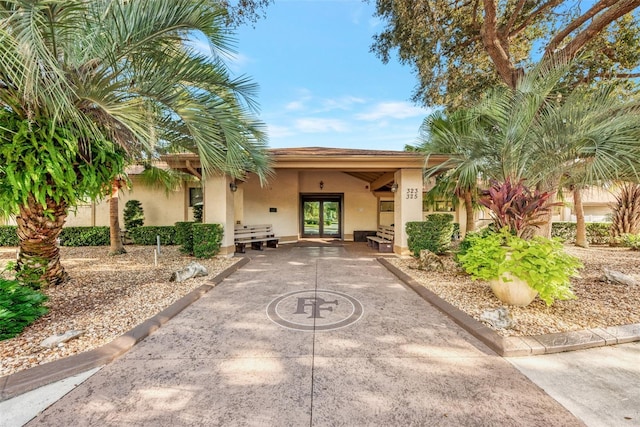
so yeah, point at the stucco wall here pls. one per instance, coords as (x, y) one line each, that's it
(159, 208)
(283, 194)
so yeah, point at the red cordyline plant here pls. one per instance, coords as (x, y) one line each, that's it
(516, 207)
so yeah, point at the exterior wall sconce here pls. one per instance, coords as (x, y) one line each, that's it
(321, 185)
(233, 186)
(394, 187)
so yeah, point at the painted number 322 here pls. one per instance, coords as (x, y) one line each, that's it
(412, 193)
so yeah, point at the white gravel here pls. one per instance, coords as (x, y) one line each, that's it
(106, 297)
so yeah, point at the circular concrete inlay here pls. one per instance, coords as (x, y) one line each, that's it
(315, 310)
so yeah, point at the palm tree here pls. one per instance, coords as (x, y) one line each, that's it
(458, 135)
(550, 135)
(92, 83)
(626, 211)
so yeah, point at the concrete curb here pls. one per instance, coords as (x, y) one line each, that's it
(31, 379)
(521, 346)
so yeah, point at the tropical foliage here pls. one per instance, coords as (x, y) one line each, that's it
(540, 262)
(90, 84)
(544, 133)
(19, 307)
(516, 208)
(626, 211)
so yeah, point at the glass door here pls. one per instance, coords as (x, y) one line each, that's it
(321, 216)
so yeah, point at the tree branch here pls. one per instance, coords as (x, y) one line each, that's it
(495, 46)
(599, 23)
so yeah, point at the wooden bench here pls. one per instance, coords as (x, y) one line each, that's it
(256, 235)
(383, 240)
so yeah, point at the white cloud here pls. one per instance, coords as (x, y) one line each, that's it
(393, 110)
(275, 131)
(294, 106)
(342, 103)
(317, 125)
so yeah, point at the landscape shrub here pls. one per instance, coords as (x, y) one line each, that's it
(9, 235)
(598, 233)
(207, 239)
(631, 241)
(146, 235)
(184, 236)
(133, 215)
(197, 212)
(434, 234)
(19, 307)
(84, 236)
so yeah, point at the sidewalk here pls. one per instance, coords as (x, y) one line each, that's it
(308, 336)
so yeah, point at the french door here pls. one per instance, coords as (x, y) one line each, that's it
(321, 215)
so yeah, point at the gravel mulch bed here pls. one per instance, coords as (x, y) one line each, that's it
(106, 297)
(598, 305)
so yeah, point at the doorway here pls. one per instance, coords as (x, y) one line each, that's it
(321, 215)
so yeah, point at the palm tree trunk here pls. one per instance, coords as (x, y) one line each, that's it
(117, 248)
(581, 227)
(468, 206)
(38, 230)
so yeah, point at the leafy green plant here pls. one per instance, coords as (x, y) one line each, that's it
(19, 307)
(540, 262)
(207, 239)
(133, 215)
(598, 233)
(184, 236)
(631, 241)
(147, 235)
(84, 236)
(516, 207)
(197, 212)
(434, 234)
(9, 235)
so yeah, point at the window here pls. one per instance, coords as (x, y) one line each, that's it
(195, 196)
(443, 206)
(386, 205)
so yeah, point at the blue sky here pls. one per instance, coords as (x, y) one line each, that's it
(320, 85)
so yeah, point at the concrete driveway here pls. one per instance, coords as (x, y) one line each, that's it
(309, 336)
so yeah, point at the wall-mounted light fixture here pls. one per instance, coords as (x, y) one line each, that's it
(394, 187)
(233, 186)
(321, 185)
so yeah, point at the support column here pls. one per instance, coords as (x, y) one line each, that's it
(218, 208)
(407, 206)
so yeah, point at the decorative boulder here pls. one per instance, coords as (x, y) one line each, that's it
(192, 270)
(498, 318)
(429, 261)
(56, 340)
(619, 278)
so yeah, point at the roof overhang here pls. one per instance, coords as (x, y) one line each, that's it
(377, 167)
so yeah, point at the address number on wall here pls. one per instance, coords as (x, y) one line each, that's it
(412, 193)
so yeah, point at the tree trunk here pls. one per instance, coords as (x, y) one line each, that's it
(117, 248)
(545, 229)
(581, 227)
(468, 207)
(39, 255)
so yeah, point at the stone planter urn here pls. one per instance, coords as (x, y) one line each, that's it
(512, 290)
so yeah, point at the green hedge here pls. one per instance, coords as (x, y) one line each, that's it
(20, 306)
(184, 236)
(8, 235)
(84, 236)
(598, 233)
(434, 234)
(207, 239)
(146, 235)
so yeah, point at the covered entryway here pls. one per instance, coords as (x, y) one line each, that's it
(321, 215)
